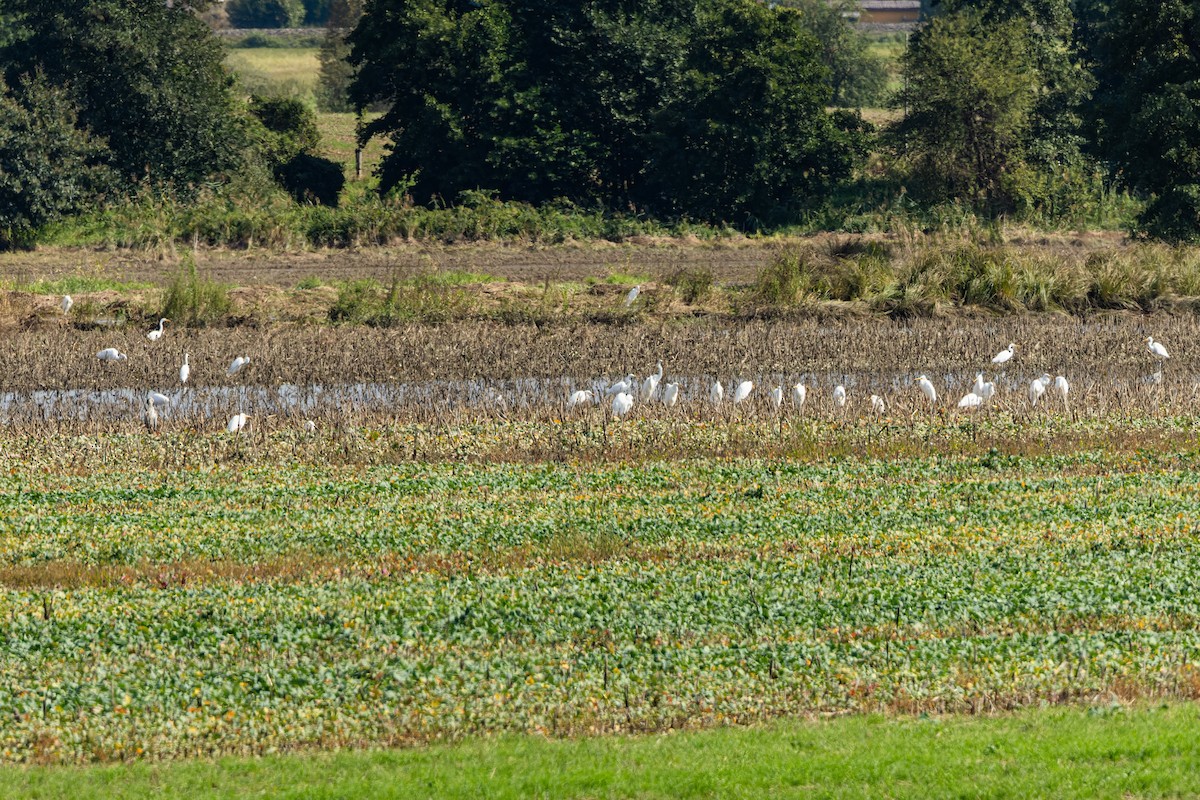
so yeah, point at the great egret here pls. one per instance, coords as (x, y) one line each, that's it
(1062, 387)
(158, 399)
(799, 395)
(978, 387)
(237, 365)
(237, 422)
(310, 426)
(742, 391)
(185, 370)
(622, 404)
(970, 400)
(877, 404)
(66, 304)
(150, 417)
(777, 397)
(624, 386)
(986, 391)
(1038, 388)
(156, 334)
(926, 387)
(579, 397)
(670, 395)
(839, 396)
(717, 393)
(633, 295)
(1157, 349)
(1004, 355)
(650, 385)
(111, 354)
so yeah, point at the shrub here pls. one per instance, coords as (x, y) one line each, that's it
(265, 13)
(693, 285)
(312, 179)
(193, 300)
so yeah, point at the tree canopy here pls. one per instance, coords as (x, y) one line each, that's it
(705, 108)
(147, 79)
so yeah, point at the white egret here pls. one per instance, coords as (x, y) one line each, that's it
(1004, 355)
(184, 370)
(633, 295)
(1038, 388)
(978, 387)
(150, 417)
(877, 404)
(157, 333)
(777, 397)
(986, 391)
(1062, 387)
(111, 354)
(670, 395)
(799, 395)
(237, 365)
(622, 404)
(1157, 349)
(237, 422)
(579, 397)
(623, 386)
(742, 391)
(650, 385)
(970, 400)
(158, 399)
(66, 304)
(839, 396)
(717, 393)
(926, 387)
(310, 426)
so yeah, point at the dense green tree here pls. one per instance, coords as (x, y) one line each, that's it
(333, 84)
(48, 166)
(1145, 115)
(316, 12)
(1053, 138)
(265, 13)
(286, 136)
(970, 98)
(709, 108)
(148, 79)
(857, 77)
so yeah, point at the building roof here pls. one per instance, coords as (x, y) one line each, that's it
(890, 5)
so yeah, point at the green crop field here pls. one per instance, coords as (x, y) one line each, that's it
(246, 607)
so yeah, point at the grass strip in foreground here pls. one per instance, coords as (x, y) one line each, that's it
(1063, 753)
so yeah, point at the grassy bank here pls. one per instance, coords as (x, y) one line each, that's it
(1103, 753)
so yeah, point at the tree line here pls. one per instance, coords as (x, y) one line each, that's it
(724, 111)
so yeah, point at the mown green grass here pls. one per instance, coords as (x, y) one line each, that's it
(260, 609)
(288, 71)
(1102, 753)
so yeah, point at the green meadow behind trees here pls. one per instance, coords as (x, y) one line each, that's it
(602, 119)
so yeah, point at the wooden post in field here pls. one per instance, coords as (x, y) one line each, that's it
(358, 163)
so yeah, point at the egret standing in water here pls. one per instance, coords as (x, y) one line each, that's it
(1038, 388)
(185, 370)
(111, 354)
(150, 416)
(580, 397)
(670, 395)
(1004, 355)
(157, 333)
(877, 405)
(1062, 387)
(650, 385)
(717, 393)
(777, 397)
(799, 394)
(839, 396)
(926, 387)
(742, 392)
(237, 365)
(622, 404)
(237, 422)
(624, 386)
(1157, 350)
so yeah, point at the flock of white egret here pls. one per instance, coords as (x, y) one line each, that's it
(652, 388)
(982, 391)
